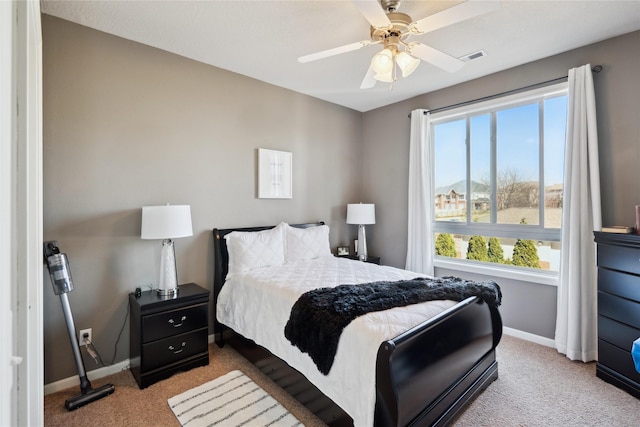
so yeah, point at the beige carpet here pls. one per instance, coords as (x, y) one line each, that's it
(129, 406)
(537, 387)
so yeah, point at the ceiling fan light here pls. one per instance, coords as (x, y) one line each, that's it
(384, 77)
(407, 63)
(382, 62)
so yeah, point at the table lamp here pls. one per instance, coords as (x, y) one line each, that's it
(361, 214)
(166, 223)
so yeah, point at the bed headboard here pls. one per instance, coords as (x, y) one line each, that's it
(221, 255)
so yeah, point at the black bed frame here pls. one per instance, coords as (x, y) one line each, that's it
(424, 377)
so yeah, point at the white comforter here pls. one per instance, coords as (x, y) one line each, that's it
(257, 305)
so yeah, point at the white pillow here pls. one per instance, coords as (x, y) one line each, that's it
(306, 243)
(255, 249)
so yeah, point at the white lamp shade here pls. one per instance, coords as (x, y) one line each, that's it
(387, 78)
(382, 61)
(361, 213)
(166, 222)
(407, 63)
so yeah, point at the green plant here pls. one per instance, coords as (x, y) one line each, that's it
(495, 253)
(477, 249)
(445, 246)
(525, 254)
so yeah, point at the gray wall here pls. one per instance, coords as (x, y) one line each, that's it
(127, 125)
(528, 307)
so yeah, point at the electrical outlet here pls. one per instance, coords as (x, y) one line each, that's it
(82, 334)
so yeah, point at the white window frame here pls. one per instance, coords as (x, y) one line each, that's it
(533, 232)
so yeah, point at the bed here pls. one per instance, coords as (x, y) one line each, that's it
(433, 358)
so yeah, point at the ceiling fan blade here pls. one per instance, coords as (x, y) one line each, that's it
(369, 80)
(455, 14)
(372, 11)
(335, 51)
(435, 57)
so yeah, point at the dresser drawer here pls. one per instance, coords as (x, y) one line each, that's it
(174, 349)
(173, 322)
(618, 283)
(618, 360)
(620, 309)
(619, 258)
(617, 333)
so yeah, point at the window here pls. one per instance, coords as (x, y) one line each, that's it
(498, 171)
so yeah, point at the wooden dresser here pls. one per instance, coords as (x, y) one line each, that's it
(618, 308)
(168, 335)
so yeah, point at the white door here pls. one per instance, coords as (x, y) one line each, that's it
(21, 263)
(7, 369)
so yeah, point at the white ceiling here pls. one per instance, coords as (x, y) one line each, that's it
(262, 39)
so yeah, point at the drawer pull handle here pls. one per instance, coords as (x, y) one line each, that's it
(171, 321)
(172, 348)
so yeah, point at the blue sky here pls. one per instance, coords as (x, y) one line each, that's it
(517, 144)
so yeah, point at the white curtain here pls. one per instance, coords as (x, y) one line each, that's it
(576, 322)
(420, 248)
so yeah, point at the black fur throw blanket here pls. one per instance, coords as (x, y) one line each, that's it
(319, 316)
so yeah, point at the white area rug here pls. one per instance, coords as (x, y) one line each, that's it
(230, 400)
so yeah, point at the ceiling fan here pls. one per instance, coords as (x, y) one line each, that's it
(393, 29)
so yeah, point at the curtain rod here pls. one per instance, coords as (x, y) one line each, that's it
(594, 69)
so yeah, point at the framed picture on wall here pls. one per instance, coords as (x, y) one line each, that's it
(275, 180)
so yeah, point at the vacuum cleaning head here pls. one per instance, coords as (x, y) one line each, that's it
(89, 396)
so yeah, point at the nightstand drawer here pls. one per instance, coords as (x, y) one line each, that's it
(174, 349)
(619, 258)
(173, 322)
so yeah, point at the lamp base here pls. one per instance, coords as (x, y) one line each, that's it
(168, 281)
(167, 292)
(362, 243)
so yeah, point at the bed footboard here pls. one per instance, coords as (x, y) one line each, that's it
(415, 371)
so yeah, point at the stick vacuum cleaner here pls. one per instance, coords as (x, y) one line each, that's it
(60, 272)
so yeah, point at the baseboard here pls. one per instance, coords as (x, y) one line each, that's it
(548, 342)
(96, 374)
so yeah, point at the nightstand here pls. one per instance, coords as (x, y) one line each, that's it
(168, 335)
(371, 259)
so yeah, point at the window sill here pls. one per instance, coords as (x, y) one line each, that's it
(494, 270)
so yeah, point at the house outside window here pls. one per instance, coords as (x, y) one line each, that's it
(498, 174)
